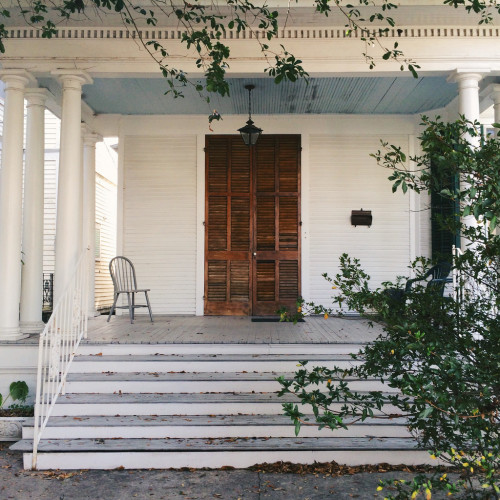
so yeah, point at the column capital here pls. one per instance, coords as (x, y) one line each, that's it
(468, 76)
(90, 139)
(17, 79)
(72, 78)
(36, 96)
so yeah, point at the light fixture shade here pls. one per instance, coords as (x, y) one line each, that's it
(250, 133)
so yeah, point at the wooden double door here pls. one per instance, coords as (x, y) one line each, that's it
(252, 219)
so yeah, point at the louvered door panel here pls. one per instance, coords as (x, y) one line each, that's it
(265, 173)
(252, 243)
(288, 223)
(228, 226)
(217, 223)
(266, 279)
(277, 228)
(265, 223)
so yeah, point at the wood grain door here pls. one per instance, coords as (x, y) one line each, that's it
(252, 237)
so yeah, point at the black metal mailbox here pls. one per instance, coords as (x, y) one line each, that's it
(361, 218)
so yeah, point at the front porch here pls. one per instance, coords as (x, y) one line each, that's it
(229, 330)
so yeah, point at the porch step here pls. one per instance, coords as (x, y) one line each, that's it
(210, 405)
(234, 452)
(176, 404)
(165, 363)
(178, 382)
(202, 426)
(151, 348)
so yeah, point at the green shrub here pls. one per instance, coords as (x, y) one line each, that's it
(440, 353)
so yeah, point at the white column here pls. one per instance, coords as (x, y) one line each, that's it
(468, 106)
(89, 143)
(69, 216)
(11, 185)
(495, 95)
(32, 270)
(468, 96)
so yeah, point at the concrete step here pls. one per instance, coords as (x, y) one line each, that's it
(154, 382)
(176, 404)
(203, 426)
(215, 453)
(164, 363)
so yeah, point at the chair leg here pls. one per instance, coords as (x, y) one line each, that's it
(113, 306)
(131, 314)
(149, 306)
(133, 305)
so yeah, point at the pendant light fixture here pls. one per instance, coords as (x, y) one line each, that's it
(250, 133)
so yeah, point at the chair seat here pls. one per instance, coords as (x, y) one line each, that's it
(142, 290)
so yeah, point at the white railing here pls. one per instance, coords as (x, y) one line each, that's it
(456, 276)
(466, 287)
(58, 342)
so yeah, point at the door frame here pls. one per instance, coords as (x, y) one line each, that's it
(202, 214)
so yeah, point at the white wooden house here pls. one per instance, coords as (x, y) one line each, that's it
(212, 226)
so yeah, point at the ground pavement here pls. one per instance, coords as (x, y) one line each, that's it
(18, 484)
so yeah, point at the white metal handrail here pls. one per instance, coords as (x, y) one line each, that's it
(58, 342)
(466, 287)
(457, 288)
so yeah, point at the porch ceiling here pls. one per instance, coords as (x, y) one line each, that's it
(349, 95)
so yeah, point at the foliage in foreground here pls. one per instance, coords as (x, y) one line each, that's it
(440, 354)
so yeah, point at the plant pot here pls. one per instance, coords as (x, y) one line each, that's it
(11, 427)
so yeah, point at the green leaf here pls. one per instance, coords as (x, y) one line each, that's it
(18, 390)
(411, 67)
(297, 427)
(426, 412)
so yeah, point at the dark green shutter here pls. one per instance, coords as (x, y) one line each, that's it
(442, 208)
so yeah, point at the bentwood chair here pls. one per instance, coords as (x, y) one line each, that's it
(123, 275)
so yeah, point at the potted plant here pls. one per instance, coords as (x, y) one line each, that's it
(13, 417)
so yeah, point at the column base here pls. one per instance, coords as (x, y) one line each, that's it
(32, 327)
(11, 333)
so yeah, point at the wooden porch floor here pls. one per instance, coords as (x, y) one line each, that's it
(228, 330)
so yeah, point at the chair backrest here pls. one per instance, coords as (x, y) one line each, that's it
(122, 273)
(440, 270)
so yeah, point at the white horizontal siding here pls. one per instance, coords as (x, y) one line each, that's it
(106, 218)
(52, 130)
(49, 214)
(159, 218)
(343, 177)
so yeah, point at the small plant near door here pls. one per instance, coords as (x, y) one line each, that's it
(438, 354)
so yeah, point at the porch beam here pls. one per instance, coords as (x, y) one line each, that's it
(89, 150)
(11, 185)
(69, 199)
(32, 269)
